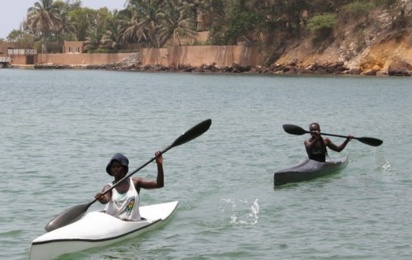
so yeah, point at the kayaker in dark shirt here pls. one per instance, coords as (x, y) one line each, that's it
(316, 144)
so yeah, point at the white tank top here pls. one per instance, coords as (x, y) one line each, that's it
(124, 205)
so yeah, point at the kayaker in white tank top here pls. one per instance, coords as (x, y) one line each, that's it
(124, 205)
(122, 201)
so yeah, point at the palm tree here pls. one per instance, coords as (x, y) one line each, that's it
(83, 20)
(95, 35)
(44, 19)
(158, 21)
(112, 38)
(178, 21)
(67, 29)
(92, 41)
(143, 25)
(132, 31)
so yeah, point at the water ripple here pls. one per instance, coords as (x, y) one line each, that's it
(60, 128)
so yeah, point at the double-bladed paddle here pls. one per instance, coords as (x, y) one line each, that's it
(74, 213)
(297, 130)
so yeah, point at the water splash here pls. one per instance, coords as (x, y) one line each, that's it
(381, 162)
(240, 216)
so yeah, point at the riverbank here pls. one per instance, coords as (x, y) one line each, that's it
(337, 68)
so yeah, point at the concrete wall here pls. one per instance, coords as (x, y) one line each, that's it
(154, 56)
(202, 55)
(23, 59)
(81, 59)
(195, 56)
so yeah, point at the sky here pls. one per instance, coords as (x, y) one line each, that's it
(12, 13)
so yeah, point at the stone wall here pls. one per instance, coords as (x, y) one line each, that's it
(81, 59)
(203, 55)
(194, 56)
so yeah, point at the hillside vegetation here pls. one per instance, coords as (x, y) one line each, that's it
(364, 35)
(369, 43)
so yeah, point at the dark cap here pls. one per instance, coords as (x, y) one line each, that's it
(121, 159)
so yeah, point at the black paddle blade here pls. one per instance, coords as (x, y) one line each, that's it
(294, 129)
(68, 216)
(192, 133)
(370, 141)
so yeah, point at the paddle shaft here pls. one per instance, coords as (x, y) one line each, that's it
(297, 130)
(343, 136)
(366, 140)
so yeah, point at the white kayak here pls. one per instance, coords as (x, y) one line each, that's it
(98, 229)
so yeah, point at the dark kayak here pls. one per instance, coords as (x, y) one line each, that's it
(308, 169)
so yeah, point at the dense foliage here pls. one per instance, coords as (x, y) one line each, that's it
(157, 23)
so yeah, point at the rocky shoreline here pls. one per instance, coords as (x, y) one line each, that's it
(293, 68)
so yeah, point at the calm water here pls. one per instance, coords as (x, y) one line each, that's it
(59, 129)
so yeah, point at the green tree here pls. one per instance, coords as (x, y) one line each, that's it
(83, 20)
(238, 22)
(322, 26)
(357, 9)
(95, 35)
(213, 12)
(23, 39)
